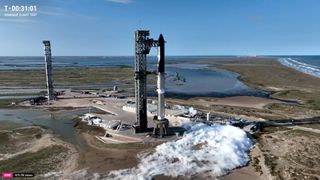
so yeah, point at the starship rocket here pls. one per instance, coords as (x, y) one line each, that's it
(161, 76)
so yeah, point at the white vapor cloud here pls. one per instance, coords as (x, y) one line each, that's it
(120, 1)
(206, 151)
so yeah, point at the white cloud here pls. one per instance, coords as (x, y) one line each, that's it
(120, 1)
(208, 151)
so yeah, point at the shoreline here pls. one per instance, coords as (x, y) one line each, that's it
(301, 67)
(284, 83)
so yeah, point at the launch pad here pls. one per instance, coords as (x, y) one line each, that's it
(143, 45)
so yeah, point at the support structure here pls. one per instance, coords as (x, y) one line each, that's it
(140, 68)
(142, 47)
(48, 67)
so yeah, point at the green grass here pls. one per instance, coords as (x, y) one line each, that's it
(67, 76)
(309, 99)
(44, 161)
(5, 103)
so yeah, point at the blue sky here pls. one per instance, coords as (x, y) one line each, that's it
(190, 27)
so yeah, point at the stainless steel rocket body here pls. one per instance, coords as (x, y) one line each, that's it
(160, 90)
(161, 78)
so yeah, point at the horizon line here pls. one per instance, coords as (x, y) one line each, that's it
(261, 55)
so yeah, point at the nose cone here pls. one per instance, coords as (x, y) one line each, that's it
(161, 54)
(161, 39)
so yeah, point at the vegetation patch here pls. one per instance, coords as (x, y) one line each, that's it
(6, 103)
(43, 161)
(4, 137)
(290, 153)
(256, 164)
(67, 76)
(27, 131)
(271, 162)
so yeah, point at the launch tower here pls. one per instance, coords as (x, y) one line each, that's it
(143, 45)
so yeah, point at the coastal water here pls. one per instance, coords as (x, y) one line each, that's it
(182, 77)
(37, 62)
(306, 64)
(197, 79)
(60, 122)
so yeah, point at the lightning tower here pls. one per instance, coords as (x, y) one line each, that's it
(48, 66)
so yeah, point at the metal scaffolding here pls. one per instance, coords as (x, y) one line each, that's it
(142, 47)
(48, 67)
(141, 80)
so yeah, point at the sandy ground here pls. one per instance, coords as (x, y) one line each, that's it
(245, 173)
(257, 163)
(256, 169)
(34, 146)
(291, 153)
(102, 158)
(236, 106)
(238, 101)
(31, 146)
(282, 153)
(244, 101)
